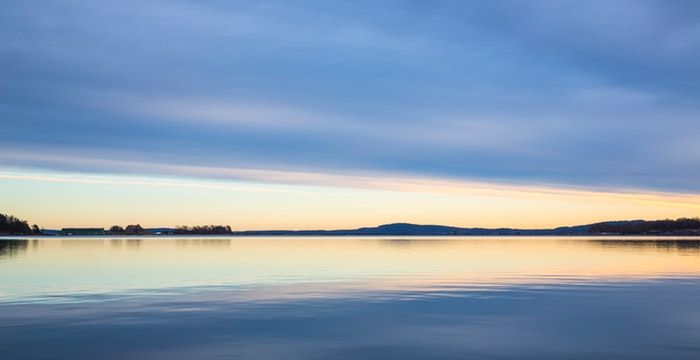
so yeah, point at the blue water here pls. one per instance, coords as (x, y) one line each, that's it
(350, 298)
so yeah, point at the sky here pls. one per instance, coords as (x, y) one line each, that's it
(326, 114)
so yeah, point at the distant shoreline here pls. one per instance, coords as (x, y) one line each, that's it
(665, 228)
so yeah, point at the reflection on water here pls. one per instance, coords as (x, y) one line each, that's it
(208, 243)
(12, 247)
(539, 298)
(684, 245)
(133, 244)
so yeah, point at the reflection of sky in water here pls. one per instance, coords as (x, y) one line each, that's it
(351, 298)
(39, 268)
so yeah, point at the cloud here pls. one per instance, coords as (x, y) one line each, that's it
(139, 181)
(205, 111)
(183, 175)
(589, 93)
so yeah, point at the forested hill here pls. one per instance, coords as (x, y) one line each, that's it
(683, 226)
(419, 230)
(632, 227)
(11, 225)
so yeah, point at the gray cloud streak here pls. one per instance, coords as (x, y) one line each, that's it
(579, 93)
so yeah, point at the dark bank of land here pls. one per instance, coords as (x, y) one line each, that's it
(680, 227)
(10, 225)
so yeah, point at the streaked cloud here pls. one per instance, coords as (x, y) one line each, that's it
(205, 111)
(138, 181)
(184, 175)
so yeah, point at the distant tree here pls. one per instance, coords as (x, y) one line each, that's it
(116, 229)
(134, 230)
(14, 226)
(646, 227)
(203, 230)
(36, 230)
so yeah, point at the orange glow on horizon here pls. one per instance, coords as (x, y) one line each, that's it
(322, 201)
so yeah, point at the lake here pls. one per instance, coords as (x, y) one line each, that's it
(350, 298)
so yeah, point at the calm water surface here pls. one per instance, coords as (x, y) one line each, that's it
(350, 298)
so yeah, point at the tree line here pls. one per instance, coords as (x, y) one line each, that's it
(14, 226)
(203, 230)
(647, 227)
(180, 230)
